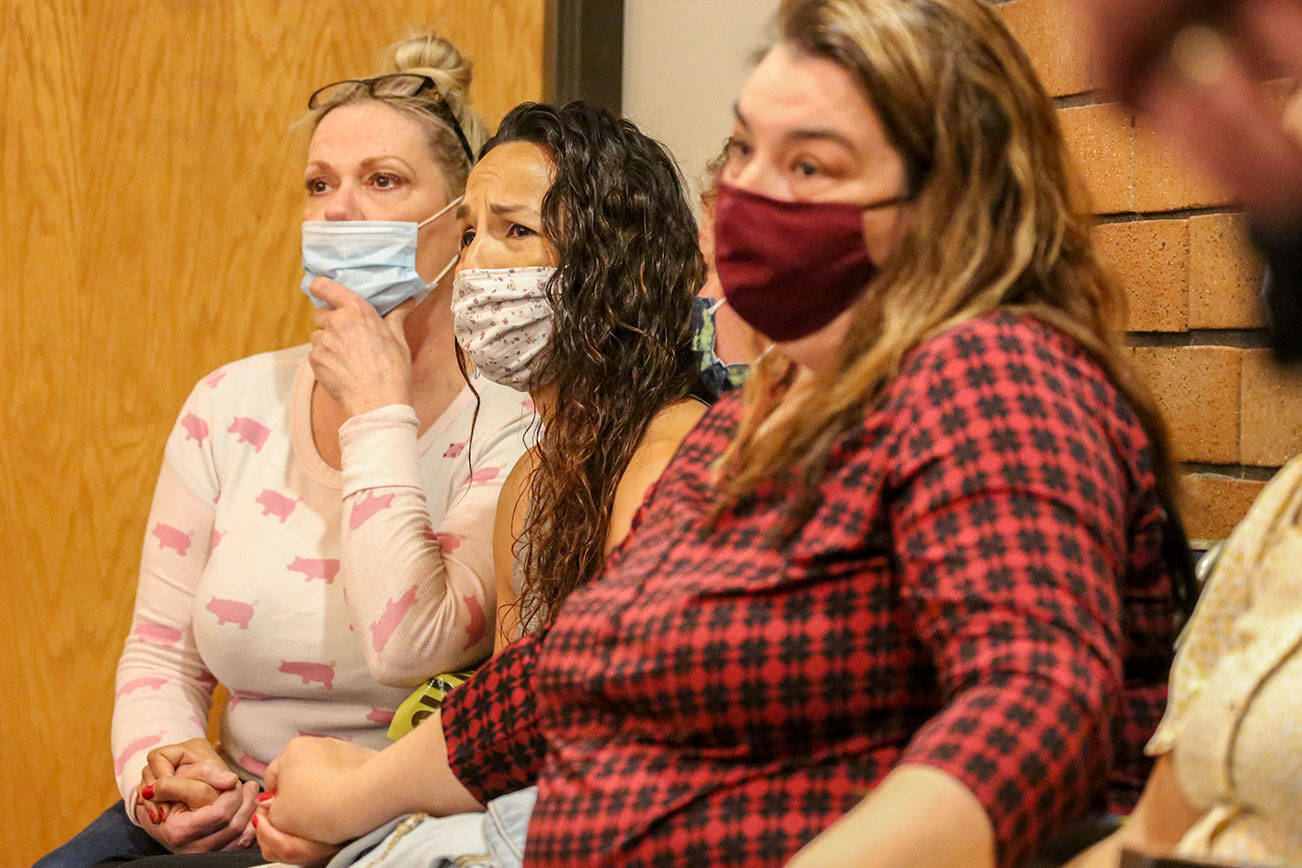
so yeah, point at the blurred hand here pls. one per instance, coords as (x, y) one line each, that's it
(361, 360)
(1193, 68)
(311, 781)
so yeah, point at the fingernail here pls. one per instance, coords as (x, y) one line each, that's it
(266, 797)
(255, 821)
(147, 791)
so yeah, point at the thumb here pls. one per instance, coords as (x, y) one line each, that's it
(211, 772)
(194, 794)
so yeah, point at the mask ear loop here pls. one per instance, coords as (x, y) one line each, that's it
(439, 213)
(713, 309)
(453, 261)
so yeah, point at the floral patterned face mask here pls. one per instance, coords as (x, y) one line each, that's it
(502, 319)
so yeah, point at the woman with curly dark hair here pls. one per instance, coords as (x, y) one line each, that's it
(582, 295)
(579, 265)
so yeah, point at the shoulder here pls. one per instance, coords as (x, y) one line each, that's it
(1005, 363)
(661, 441)
(999, 341)
(260, 377)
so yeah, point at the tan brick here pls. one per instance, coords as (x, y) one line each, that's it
(1270, 411)
(1054, 37)
(1197, 389)
(1214, 504)
(1165, 179)
(1224, 274)
(1150, 259)
(1099, 138)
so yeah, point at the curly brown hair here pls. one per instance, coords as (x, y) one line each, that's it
(620, 351)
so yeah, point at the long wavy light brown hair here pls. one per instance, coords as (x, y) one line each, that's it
(620, 351)
(1000, 221)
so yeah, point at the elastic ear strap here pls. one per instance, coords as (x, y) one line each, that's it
(445, 209)
(435, 282)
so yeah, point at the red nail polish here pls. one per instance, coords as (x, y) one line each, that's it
(266, 797)
(255, 821)
(147, 791)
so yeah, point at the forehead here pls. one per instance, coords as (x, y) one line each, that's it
(367, 129)
(791, 90)
(513, 173)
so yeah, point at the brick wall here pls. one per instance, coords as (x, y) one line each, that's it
(1176, 244)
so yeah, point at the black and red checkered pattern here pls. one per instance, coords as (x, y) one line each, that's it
(980, 590)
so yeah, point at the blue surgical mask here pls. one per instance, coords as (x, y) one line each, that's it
(374, 258)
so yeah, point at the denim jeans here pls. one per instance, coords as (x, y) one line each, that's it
(111, 837)
(493, 839)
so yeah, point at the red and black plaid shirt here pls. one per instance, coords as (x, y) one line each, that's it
(981, 572)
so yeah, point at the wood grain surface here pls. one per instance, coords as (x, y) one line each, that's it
(150, 181)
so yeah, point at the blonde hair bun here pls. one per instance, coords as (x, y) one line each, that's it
(442, 61)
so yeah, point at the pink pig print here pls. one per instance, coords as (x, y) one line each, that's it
(448, 542)
(394, 612)
(143, 743)
(250, 431)
(366, 506)
(158, 634)
(315, 568)
(231, 611)
(379, 715)
(195, 428)
(171, 538)
(528, 405)
(213, 379)
(487, 474)
(478, 625)
(454, 449)
(240, 695)
(275, 503)
(144, 682)
(214, 538)
(253, 764)
(309, 672)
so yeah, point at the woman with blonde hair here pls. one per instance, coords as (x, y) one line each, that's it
(320, 536)
(910, 598)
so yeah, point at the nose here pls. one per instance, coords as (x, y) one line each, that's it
(470, 254)
(344, 204)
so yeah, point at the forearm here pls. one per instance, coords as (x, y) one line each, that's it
(323, 797)
(917, 816)
(413, 775)
(419, 596)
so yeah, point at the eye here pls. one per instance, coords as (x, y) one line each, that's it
(467, 236)
(316, 186)
(737, 147)
(805, 168)
(516, 230)
(385, 180)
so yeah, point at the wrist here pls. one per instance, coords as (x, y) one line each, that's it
(358, 405)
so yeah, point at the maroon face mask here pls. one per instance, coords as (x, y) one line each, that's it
(790, 268)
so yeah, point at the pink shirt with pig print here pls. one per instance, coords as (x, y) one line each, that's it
(318, 597)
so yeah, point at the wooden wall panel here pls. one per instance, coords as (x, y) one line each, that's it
(149, 173)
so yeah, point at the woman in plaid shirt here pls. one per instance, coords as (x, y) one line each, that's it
(910, 599)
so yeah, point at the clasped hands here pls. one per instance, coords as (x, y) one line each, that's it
(191, 802)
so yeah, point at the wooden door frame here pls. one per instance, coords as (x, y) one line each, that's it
(583, 50)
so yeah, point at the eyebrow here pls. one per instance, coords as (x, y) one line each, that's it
(801, 134)
(500, 210)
